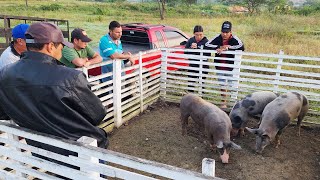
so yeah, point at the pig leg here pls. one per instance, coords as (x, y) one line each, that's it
(302, 114)
(277, 138)
(213, 145)
(184, 122)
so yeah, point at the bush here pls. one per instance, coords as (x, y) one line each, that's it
(99, 11)
(271, 31)
(308, 9)
(51, 7)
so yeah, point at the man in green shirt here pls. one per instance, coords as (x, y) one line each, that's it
(82, 55)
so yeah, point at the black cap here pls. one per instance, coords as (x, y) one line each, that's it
(80, 34)
(226, 26)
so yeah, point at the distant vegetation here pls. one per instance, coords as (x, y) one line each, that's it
(295, 30)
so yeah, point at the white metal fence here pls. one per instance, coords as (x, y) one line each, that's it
(251, 72)
(167, 77)
(128, 95)
(17, 162)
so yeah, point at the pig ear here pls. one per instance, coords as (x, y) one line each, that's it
(253, 131)
(235, 146)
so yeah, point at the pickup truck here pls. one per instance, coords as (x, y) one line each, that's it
(142, 37)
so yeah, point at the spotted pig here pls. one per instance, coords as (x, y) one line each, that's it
(277, 115)
(249, 107)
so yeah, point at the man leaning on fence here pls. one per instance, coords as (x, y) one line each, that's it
(111, 48)
(225, 41)
(197, 42)
(41, 95)
(81, 54)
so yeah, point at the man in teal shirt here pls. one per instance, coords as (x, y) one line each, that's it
(82, 55)
(111, 48)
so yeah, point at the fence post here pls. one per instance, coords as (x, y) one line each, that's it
(164, 68)
(278, 74)
(117, 92)
(92, 142)
(140, 81)
(236, 74)
(85, 71)
(208, 167)
(200, 70)
(16, 138)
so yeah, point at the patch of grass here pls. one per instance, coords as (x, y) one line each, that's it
(51, 7)
(265, 33)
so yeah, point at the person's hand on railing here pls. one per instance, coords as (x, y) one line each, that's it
(194, 46)
(223, 48)
(87, 64)
(127, 55)
(131, 59)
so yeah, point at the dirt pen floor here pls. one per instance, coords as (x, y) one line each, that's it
(156, 135)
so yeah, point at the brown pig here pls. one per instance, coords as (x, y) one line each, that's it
(277, 115)
(215, 123)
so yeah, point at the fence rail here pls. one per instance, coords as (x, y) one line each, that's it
(125, 96)
(18, 163)
(128, 95)
(251, 72)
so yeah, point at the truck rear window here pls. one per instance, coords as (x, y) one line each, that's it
(135, 37)
(135, 41)
(174, 38)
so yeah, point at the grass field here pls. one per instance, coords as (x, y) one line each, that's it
(267, 33)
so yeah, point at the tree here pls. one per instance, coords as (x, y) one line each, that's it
(273, 5)
(253, 6)
(189, 2)
(162, 4)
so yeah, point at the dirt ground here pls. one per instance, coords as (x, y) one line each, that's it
(156, 135)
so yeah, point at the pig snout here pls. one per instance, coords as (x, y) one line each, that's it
(224, 157)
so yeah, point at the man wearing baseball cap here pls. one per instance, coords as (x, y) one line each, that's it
(41, 95)
(82, 54)
(225, 41)
(17, 46)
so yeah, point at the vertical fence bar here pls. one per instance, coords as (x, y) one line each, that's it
(16, 138)
(164, 64)
(140, 82)
(117, 92)
(6, 29)
(236, 75)
(201, 71)
(92, 142)
(208, 167)
(278, 74)
(85, 71)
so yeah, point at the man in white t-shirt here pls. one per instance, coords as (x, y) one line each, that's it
(17, 46)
